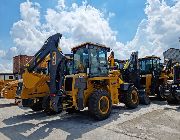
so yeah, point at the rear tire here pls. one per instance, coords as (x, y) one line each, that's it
(132, 97)
(100, 104)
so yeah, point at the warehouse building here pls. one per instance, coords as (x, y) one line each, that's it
(7, 76)
(173, 54)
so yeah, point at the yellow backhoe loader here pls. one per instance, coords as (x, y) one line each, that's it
(91, 83)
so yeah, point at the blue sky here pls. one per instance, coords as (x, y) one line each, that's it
(128, 15)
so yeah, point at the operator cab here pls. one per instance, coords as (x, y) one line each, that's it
(149, 64)
(90, 58)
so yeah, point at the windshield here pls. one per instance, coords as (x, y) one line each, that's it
(98, 62)
(81, 60)
(92, 57)
(145, 66)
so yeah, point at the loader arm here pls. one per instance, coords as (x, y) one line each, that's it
(169, 65)
(131, 70)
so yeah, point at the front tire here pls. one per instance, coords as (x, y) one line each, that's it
(132, 98)
(172, 101)
(47, 107)
(144, 98)
(37, 106)
(72, 110)
(100, 104)
(159, 93)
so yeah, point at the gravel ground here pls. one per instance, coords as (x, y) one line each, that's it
(156, 121)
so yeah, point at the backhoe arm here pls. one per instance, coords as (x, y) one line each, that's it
(50, 44)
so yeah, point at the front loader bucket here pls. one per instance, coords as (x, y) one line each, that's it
(31, 80)
(34, 85)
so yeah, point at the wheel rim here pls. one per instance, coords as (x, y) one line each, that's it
(134, 97)
(103, 105)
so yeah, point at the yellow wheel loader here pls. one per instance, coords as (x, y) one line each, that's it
(130, 72)
(147, 74)
(91, 85)
(172, 87)
(152, 76)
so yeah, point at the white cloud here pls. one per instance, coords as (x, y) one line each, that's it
(76, 23)
(159, 31)
(28, 34)
(5, 61)
(30, 12)
(5, 66)
(61, 4)
(79, 23)
(83, 23)
(2, 53)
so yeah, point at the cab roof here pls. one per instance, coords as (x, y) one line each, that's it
(150, 57)
(90, 43)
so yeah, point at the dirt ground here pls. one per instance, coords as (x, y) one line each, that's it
(156, 121)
